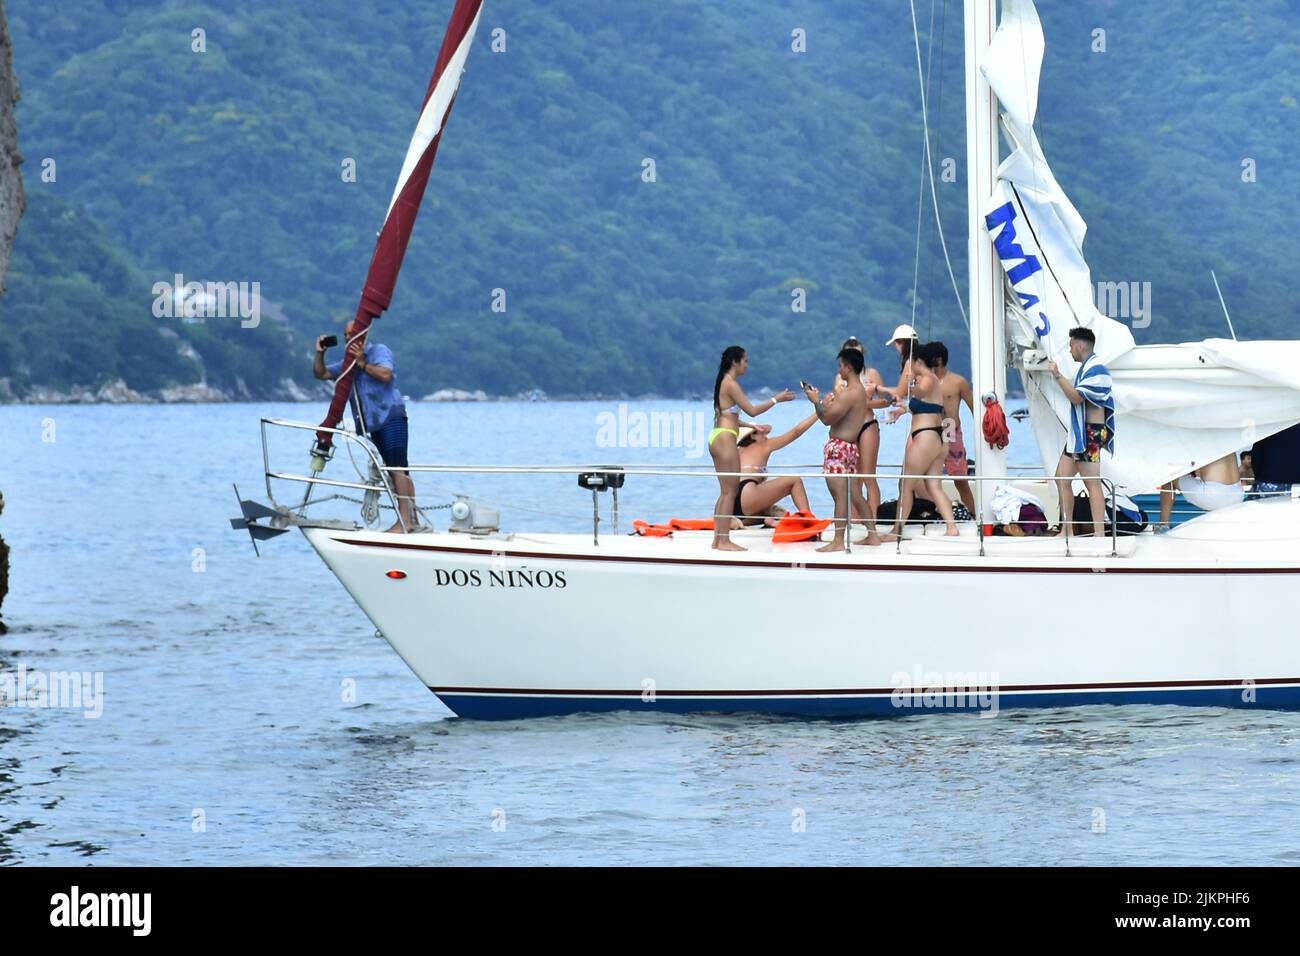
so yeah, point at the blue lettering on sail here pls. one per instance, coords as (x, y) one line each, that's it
(1046, 327)
(1010, 251)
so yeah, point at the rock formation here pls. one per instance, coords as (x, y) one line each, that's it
(12, 203)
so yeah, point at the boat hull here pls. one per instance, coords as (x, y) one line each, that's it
(552, 625)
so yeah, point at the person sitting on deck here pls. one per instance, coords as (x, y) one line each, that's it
(760, 493)
(1217, 485)
(1092, 422)
(383, 412)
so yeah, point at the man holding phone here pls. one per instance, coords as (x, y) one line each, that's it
(846, 414)
(383, 411)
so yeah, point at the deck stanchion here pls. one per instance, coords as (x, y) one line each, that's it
(1114, 523)
(848, 515)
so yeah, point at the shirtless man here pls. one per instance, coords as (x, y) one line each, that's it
(956, 389)
(869, 437)
(1217, 485)
(1092, 428)
(845, 416)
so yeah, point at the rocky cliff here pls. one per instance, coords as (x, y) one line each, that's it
(12, 198)
(12, 203)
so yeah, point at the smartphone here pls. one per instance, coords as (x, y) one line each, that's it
(330, 341)
(804, 385)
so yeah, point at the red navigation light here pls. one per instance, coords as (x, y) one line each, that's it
(396, 575)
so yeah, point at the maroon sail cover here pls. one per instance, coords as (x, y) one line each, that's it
(390, 247)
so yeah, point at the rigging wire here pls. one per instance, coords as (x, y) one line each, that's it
(938, 129)
(929, 70)
(916, 261)
(929, 165)
(920, 195)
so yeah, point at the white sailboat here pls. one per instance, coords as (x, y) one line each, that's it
(518, 624)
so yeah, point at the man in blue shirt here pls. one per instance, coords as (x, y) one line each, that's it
(384, 412)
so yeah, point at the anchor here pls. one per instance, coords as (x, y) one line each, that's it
(252, 512)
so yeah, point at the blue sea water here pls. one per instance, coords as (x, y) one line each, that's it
(227, 735)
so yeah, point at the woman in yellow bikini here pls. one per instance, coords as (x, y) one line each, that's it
(729, 400)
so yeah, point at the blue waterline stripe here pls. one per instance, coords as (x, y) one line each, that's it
(491, 706)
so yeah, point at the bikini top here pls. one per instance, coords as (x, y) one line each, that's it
(918, 407)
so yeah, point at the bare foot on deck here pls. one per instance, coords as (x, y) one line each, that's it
(833, 546)
(872, 540)
(727, 546)
(396, 529)
(952, 533)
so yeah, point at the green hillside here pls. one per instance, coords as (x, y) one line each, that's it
(775, 170)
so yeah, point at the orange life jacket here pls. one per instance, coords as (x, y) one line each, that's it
(799, 526)
(651, 530)
(691, 524)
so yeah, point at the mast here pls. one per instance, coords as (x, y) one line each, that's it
(988, 351)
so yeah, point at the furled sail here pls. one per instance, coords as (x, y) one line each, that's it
(1177, 406)
(390, 247)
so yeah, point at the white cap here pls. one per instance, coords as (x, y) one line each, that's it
(903, 332)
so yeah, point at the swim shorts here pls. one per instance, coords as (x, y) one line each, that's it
(390, 440)
(1098, 435)
(840, 457)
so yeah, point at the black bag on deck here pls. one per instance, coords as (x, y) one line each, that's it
(923, 510)
(1132, 519)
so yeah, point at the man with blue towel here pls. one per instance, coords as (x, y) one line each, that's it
(1092, 428)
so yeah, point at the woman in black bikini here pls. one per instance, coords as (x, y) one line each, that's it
(926, 452)
(760, 493)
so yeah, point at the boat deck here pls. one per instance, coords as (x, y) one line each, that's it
(1212, 543)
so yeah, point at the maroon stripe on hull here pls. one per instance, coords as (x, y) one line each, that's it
(938, 569)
